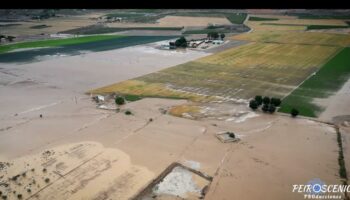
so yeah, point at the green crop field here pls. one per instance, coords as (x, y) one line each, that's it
(326, 82)
(317, 27)
(56, 42)
(262, 19)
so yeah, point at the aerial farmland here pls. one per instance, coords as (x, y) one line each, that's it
(174, 104)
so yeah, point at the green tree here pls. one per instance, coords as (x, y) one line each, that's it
(266, 100)
(181, 42)
(213, 35)
(222, 35)
(294, 112)
(272, 108)
(258, 99)
(119, 100)
(276, 101)
(265, 108)
(253, 104)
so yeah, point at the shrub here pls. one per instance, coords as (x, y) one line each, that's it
(258, 99)
(272, 108)
(222, 35)
(4, 197)
(29, 190)
(294, 112)
(265, 108)
(266, 100)
(232, 135)
(253, 104)
(47, 180)
(181, 42)
(19, 196)
(44, 170)
(150, 119)
(276, 101)
(119, 100)
(128, 112)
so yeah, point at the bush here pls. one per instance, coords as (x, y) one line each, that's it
(19, 196)
(44, 170)
(272, 108)
(265, 108)
(253, 104)
(266, 100)
(294, 112)
(258, 99)
(47, 180)
(276, 101)
(232, 135)
(119, 100)
(222, 36)
(128, 112)
(213, 35)
(29, 190)
(181, 42)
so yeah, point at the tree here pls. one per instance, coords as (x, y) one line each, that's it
(10, 38)
(181, 42)
(258, 99)
(231, 135)
(265, 108)
(253, 104)
(119, 100)
(222, 35)
(266, 100)
(294, 112)
(272, 108)
(276, 101)
(213, 35)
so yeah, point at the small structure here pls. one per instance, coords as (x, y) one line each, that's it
(217, 41)
(227, 137)
(99, 98)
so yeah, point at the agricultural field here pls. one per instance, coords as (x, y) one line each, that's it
(323, 84)
(293, 37)
(34, 51)
(56, 42)
(242, 72)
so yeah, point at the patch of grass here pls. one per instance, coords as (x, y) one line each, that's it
(262, 19)
(56, 42)
(317, 27)
(130, 97)
(237, 18)
(326, 82)
(181, 109)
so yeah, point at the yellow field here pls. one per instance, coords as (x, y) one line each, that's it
(141, 88)
(181, 109)
(242, 72)
(293, 37)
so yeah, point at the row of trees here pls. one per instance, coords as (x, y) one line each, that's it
(215, 35)
(269, 104)
(8, 38)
